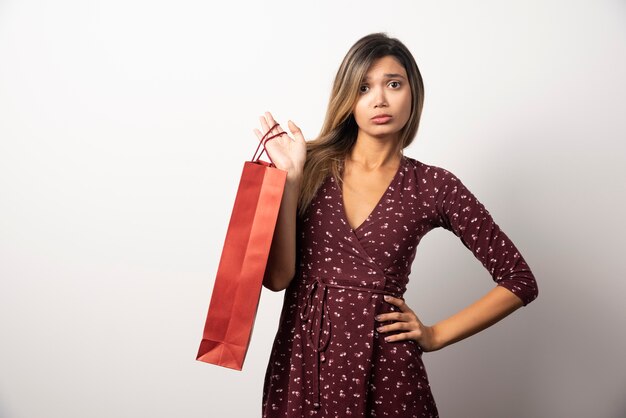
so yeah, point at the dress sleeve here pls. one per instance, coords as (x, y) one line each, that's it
(460, 212)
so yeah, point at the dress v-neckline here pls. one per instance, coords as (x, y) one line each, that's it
(376, 207)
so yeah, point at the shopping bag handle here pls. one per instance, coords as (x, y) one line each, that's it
(263, 142)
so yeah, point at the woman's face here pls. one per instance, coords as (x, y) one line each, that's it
(384, 103)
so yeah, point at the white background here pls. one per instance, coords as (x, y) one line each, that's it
(124, 126)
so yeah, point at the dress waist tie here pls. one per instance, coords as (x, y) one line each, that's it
(317, 313)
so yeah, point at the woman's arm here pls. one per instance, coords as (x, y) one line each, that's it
(459, 211)
(486, 311)
(287, 154)
(281, 264)
(491, 308)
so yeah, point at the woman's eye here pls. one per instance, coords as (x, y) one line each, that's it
(397, 84)
(363, 89)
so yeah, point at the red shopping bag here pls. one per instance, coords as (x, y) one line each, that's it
(240, 272)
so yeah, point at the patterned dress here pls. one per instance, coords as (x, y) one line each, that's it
(328, 360)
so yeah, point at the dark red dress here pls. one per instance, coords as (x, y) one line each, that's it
(328, 360)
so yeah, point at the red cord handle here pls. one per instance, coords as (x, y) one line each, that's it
(263, 142)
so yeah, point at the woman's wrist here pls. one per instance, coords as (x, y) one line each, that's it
(436, 338)
(294, 176)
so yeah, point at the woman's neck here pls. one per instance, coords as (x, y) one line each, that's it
(373, 154)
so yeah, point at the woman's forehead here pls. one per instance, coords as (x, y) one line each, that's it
(387, 66)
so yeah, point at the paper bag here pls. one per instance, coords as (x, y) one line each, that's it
(237, 287)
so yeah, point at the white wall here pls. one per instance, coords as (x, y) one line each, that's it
(124, 126)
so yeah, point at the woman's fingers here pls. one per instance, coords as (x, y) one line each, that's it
(406, 323)
(264, 125)
(406, 330)
(407, 326)
(267, 122)
(400, 303)
(271, 122)
(397, 326)
(402, 322)
(295, 130)
(392, 316)
(400, 337)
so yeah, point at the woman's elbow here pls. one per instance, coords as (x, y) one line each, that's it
(273, 286)
(278, 281)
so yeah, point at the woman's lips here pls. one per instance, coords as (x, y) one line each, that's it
(381, 119)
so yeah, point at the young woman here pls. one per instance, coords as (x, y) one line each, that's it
(353, 212)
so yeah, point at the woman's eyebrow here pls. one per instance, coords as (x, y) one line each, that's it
(389, 75)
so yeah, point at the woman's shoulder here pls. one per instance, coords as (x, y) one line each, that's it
(430, 173)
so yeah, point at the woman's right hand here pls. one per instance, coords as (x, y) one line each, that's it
(287, 153)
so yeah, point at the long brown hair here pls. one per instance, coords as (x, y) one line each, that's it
(326, 153)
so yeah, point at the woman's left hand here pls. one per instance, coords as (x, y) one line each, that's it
(407, 321)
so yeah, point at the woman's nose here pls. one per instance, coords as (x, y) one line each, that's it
(380, 98)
